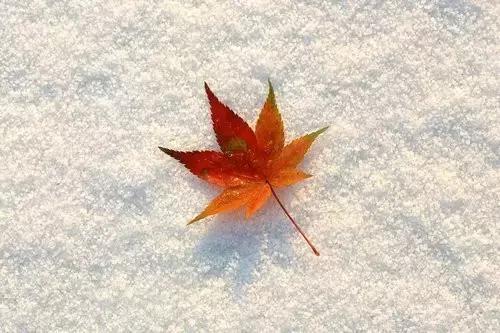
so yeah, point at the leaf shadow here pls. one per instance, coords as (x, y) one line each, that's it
(237, 250)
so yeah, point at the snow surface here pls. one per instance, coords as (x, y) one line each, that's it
(404, 205)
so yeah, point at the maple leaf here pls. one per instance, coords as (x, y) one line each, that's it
(250, 164)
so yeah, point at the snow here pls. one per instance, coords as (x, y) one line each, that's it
(403, 205)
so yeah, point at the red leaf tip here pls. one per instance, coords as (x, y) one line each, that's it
(208, 91)
(167, 151)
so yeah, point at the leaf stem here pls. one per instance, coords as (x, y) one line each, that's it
(293, 221)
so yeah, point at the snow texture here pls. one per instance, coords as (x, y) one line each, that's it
(404, 204)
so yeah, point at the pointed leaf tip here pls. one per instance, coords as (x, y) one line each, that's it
(271, 97)
(293, 153)
(315, 134)
(197, 218)
(269, 129)
(228, 126)
(270, 85)
(207, 89)
(166, 150)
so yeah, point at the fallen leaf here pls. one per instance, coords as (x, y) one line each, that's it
(251, 164)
